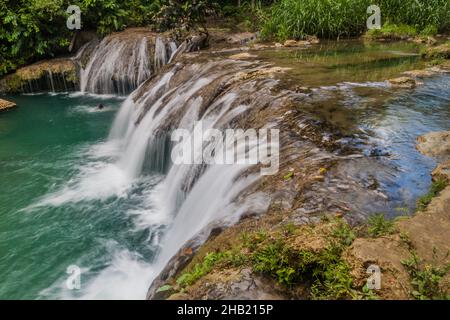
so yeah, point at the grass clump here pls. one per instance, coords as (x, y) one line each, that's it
(378, 226)
(392, 32)
(426, 281)
(436, 187)
(345, 18)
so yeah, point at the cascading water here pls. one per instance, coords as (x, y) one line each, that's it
(120, 63)
(116, 206)
(213, 189)
(191, 198)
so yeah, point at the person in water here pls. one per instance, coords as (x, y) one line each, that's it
(100, 106)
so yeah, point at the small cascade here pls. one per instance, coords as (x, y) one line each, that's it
(121, 62)
(49, 82)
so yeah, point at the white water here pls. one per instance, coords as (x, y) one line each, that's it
(116, 165)
(120, 65)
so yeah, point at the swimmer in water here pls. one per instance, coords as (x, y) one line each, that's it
(100, 106)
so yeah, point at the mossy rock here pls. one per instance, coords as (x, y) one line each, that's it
(38, 72)
(439, 52)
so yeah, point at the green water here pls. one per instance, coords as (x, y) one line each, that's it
(332, 62)
(46, 144)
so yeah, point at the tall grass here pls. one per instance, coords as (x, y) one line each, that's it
(345, 18)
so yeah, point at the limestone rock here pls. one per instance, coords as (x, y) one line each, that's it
(6, 105)
(242, 55)
(420, 73)
(294, 43)
(403, 82)
(435, 144)
(442, 51)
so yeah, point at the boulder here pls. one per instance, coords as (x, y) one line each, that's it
(403, 82)
(242, 55)
(442, 51)
(425, 73)
(6, 105)
(435, 144)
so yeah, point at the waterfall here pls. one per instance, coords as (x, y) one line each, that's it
(120, 63)
(196, 196)
(187, 201)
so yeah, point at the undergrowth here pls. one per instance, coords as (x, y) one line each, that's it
(426, 280)
(273, 254)
(436, 187)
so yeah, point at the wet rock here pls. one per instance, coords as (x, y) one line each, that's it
(6, 105)
(232, 284)
(426, 40)
(243, 38)
(420, 73)
(403, 82)
(435, 144)
(442, 51)
(442, 171)
(80, 38)
(243, 55)
(302, 89)
(294, 43)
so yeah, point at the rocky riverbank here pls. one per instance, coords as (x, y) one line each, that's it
(267, 258)
(285, 254)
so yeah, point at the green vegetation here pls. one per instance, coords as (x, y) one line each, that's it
(426, 280)
(436, 187)
(36, 29)
(344, 18)
(201, 269)
(393, 32)
(378, 225)
(275, 255)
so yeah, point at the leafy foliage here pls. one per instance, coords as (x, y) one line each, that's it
(378, 225)
(34, 29)
(426, 281)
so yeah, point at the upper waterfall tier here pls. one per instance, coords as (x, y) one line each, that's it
(122, 61)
